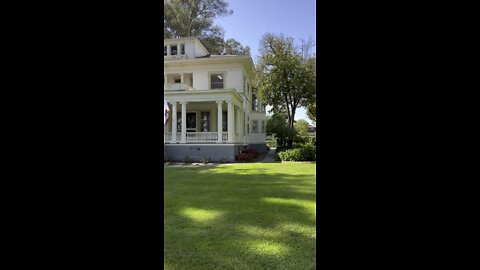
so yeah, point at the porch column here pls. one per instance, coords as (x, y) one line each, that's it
(182, 78)
(231, 122)
(174, 122)
(219, 121)
(184, 122)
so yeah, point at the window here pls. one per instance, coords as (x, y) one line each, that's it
(224, 121)
(254, 103)
(178, 80)
(182, 49)
(217, 81)
(165, 50)
(255, 126)
(205, 119)
(173, 50)
(191, 122)
(263, 127)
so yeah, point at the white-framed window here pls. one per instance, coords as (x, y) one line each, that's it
(254, 103)
(254, 126)
(173, 49)
(217, 80)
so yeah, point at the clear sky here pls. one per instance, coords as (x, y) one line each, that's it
(252, 19)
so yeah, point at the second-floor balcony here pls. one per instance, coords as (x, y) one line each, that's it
(177, 87)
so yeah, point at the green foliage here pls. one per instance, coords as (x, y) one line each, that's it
(194, 18)
(301, 127)
(312, 110)
(285, 78)
(277, 126)
(305, 153)
(233, 47)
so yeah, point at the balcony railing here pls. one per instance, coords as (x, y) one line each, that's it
(204, 137)
(177, 87)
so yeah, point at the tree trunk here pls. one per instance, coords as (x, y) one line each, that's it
(291, 119)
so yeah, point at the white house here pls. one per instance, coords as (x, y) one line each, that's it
(214, 113)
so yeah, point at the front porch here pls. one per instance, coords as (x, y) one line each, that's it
(205, 119)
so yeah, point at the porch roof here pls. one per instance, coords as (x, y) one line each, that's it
(204, 95)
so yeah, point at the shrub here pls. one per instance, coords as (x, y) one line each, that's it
(311, 140)
(252, 151)
(245, 157)
(306, 153)
(290, 155)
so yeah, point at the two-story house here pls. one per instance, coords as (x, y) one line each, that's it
(214, 112)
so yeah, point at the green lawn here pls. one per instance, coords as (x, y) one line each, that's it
(240, 216)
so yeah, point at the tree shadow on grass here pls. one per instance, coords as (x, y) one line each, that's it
(229, 220)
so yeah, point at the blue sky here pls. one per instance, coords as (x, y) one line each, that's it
(251, 19)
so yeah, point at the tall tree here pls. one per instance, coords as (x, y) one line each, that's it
(233, 47)
(285, 79)
(195, 18)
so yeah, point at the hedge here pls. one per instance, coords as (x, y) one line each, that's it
(305, 153)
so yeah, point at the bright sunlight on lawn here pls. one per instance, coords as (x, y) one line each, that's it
(240, 216)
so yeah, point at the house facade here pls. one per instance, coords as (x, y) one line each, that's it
(214, 111)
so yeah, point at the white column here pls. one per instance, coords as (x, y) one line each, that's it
(231, 122)
(182, 78)
(174, 122)
(219, 121)
(184, 122)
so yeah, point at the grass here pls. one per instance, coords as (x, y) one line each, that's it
(240, 216)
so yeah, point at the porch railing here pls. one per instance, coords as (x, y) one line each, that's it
(208, 137)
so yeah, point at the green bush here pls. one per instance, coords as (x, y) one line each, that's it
(305, 153)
